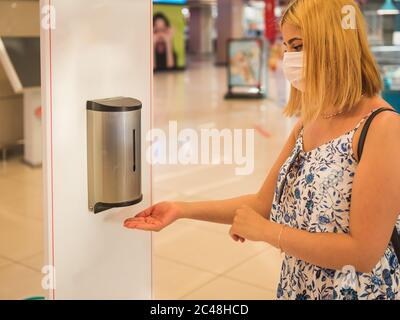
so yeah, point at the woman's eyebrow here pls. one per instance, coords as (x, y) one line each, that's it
(292, 40)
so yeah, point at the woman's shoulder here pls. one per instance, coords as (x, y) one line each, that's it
(389, 117)
(386, 125)
(386, 122)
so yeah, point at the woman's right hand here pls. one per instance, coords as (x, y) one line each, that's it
(156, 217)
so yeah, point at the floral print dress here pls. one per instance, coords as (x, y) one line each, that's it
(313, 193)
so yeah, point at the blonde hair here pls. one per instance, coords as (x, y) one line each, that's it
(339, 66)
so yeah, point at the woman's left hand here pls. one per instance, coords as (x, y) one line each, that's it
(249, 225)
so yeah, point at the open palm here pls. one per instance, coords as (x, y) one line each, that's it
(154, 218)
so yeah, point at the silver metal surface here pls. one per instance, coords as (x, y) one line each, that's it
(114, 157)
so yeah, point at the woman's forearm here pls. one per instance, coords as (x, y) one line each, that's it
(219, 211)
(327, 250)
(223, 211)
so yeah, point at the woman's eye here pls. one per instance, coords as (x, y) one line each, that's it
(298, 48)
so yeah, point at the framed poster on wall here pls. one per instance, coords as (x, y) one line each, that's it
(169, 35)
(246, 70)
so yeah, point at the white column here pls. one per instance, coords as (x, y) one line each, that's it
(201, 29)
(98, 49)
(229, 25)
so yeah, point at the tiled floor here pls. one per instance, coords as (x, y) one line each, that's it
(209, 263)
(21, 231)
(193, 260)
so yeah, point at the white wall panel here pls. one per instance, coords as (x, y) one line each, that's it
(98, 49)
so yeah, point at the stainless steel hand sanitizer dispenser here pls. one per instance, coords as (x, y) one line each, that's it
(114, 153)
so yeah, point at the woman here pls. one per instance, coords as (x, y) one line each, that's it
(164, 55)
(321, 205)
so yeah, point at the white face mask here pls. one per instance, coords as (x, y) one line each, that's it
(293, 69)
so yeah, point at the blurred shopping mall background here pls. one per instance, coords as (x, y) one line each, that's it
(193, 260)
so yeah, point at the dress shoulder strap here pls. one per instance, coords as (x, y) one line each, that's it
(299, 138)
(365, 118)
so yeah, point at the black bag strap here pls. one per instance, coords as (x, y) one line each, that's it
(395, 239)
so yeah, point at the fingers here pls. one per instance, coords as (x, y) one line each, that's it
(143, 223)
(145, 213)
(236, 237)
(244, 209)
(142, 226)
(141, 215)
(244, 212)
(146, 220)
(135, 219)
